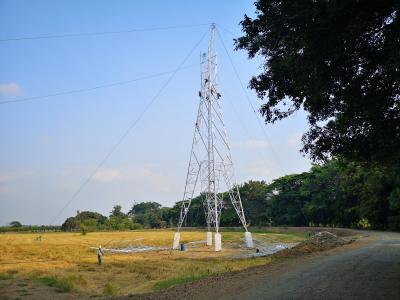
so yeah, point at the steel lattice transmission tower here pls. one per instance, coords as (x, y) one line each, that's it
(210, 169)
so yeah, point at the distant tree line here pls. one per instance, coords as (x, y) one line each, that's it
(29, 228)
(338, 193)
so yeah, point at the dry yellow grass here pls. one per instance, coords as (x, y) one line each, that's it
(68, 256)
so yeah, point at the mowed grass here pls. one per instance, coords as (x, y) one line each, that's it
(66, 262)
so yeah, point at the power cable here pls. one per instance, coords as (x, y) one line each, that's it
(107, 85)
(68, 35)
(128, 130)
(249, 101)
(227, 30)
(245, 129)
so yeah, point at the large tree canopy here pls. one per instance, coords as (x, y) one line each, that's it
(340, 61)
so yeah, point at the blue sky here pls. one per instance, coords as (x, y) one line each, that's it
(48, 147)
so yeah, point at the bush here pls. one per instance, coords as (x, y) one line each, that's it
(83, 230)
(5, 276)
(136, 226)
(110, 290)
(63, 285)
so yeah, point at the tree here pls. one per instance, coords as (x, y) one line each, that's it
(254, 199)
(69, 224)
(117, 212)
(340, 62)
(144, 207)
(15, 224)
(88, 219)
(285, 200)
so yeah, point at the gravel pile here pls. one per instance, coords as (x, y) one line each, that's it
(323, 240)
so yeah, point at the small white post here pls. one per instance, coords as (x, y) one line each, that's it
(217, 237)
(248, 239)
(177, 237)
(209, 238)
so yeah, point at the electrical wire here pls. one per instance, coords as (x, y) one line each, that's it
(69, 35)
(249, 101)
(107, 85)
(227, 30)
(262, 156)
(128, 130)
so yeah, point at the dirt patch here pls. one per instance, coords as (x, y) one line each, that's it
(318, 241)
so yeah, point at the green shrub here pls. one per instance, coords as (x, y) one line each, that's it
(5, 276)
(110, 290)
(83, 230)
(63, 285)
(136, 226)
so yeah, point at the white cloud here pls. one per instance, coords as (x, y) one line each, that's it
(108, 175)
(294, 140)
(10, 89)
(141, 177)
(252, 144)
(13, 176)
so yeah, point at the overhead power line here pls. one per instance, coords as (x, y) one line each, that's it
(127, 131)
(227, 30)
(249, 101)
(69, 35)
(107, 85)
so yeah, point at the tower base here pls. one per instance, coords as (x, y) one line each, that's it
(177, 237)
(218, 243)
(248, 239)
(209, 238)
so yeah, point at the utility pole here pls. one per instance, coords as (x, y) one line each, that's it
(210, 169)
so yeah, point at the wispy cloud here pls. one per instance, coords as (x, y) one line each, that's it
(252, 144)
(141, 176)
(108, 175)
(14, 175)
(10, 89)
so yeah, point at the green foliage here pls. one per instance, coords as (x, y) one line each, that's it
(5, 276)
(339, 193)
(110, 290)
(144, 207)
(88, 220)
(117, 212)
(337, 60)
(285, 200)
(63, 285)
(30, 228)
(15, 224)
(150, 214)
(363, 223)
(83, 230)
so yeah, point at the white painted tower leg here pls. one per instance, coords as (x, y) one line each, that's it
(209, 238)
(248, 239)
(177, 237)
(217, 237)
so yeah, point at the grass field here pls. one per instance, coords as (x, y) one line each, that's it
(65, 261)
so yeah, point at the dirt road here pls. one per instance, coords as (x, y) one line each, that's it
(367, 269)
